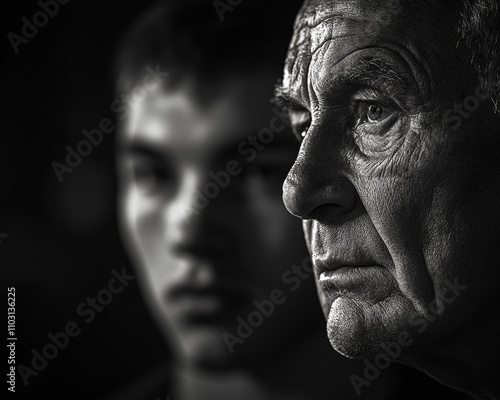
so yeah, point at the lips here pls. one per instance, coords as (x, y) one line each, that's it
(187, 290)
(206, 303)
(361, 280)
(325, 266)
(339, 273)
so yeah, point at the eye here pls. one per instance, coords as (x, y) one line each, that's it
(300, 121)
(375, 117)
(151, 177)
(373, 112)
(377, 123)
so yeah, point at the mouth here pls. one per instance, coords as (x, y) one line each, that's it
(362, 280)
(338, 274)
(194, 304)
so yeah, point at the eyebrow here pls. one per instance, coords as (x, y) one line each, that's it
(365, 72)
(283, 100)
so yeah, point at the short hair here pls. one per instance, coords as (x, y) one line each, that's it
(479, 29)
(207, 40)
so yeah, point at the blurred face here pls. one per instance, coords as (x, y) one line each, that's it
(398, 189)
(201, 208)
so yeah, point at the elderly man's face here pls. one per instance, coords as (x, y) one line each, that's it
(399, 196)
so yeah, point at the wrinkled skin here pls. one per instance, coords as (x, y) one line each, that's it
(382, 184)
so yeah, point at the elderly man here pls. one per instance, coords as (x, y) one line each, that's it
(223, 266)
(397, 179)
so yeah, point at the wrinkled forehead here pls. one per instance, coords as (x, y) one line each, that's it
(344, 26)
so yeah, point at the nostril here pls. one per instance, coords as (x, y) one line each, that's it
(325, 210)
(313, 191)
(338, 208)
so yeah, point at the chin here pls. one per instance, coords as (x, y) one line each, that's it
(203, 345)
(358, 329)
(205, 349)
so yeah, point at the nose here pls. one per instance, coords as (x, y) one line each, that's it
(315, 186)
(199, 226)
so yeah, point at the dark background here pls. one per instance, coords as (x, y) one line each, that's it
(62, 238)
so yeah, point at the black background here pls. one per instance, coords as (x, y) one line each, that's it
(62, 238)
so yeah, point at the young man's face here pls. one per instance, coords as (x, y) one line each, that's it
(200, 200)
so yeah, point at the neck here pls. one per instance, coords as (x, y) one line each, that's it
(467, 361)
(311, 370)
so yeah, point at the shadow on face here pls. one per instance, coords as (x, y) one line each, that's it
(223, 265)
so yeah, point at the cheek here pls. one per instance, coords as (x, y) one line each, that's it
(397, 210)
(140, 221)
(144, 230)
(274, 227)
